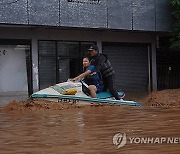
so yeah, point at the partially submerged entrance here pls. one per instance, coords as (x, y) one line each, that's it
(15, 68)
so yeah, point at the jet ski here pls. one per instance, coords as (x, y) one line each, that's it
(77, 92)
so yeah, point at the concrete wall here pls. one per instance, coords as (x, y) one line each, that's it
(36, 34)
(143, 15)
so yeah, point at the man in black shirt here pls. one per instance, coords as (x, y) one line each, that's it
(101, 62)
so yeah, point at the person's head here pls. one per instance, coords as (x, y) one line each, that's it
(86, 61)
(93, 50)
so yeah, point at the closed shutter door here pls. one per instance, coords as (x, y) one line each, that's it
(130, 62)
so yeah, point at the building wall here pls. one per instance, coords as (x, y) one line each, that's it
(36, 34)
(143, 15)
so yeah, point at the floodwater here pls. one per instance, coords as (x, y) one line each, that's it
(89, 130)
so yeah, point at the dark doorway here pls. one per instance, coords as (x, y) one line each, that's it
(168, 69)
(60, 60)
(168, 65)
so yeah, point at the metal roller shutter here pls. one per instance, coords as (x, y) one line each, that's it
(130, 62)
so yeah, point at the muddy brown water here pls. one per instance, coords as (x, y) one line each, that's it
(88, 130)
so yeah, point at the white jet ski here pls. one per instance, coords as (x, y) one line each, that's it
(73, 92)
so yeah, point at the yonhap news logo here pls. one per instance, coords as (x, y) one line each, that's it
(121, 139)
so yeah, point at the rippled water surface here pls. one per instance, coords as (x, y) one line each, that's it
(88, 130)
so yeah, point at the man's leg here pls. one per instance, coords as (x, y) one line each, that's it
(105, 84)
(110, 84)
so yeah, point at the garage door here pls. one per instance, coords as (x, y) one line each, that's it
(130, 62)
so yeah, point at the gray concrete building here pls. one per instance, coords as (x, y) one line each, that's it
(42, 41)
